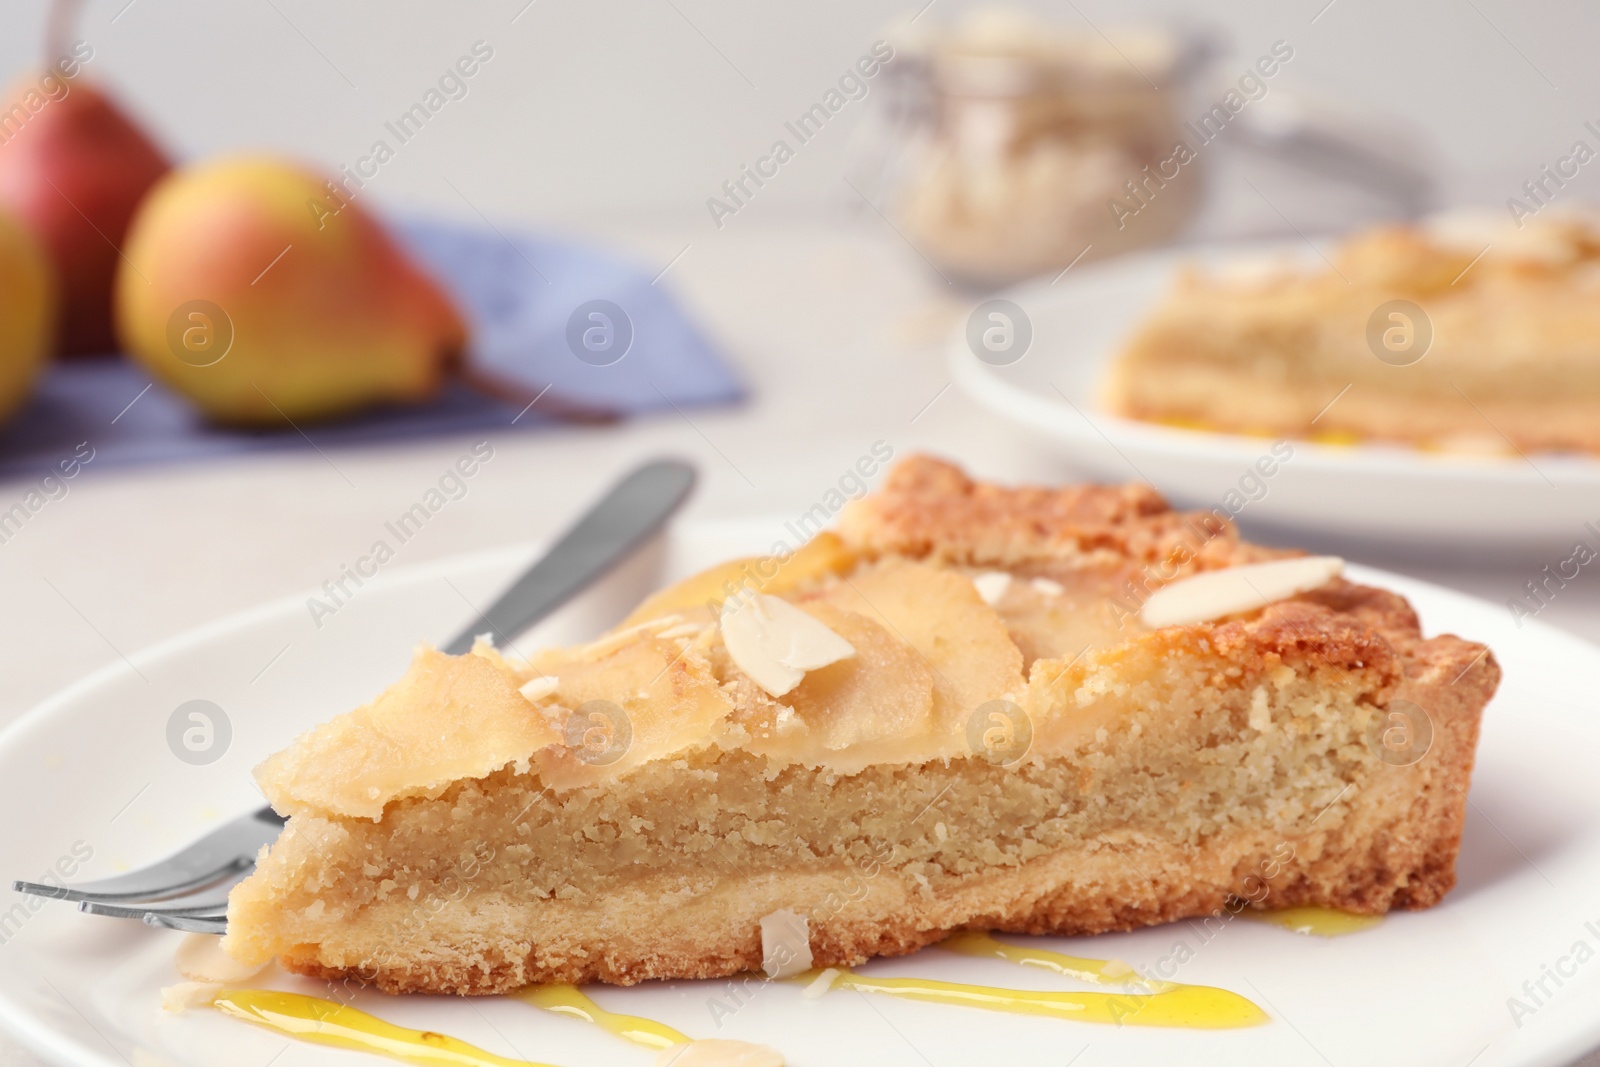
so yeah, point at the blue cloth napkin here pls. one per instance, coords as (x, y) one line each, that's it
(523, 296)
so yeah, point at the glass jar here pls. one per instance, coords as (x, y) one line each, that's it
(1025, 147)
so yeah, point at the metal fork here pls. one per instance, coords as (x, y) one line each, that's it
(189, 889)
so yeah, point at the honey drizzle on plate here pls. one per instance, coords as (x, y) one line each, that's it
(570, 1000)
(1113, 972)
(1315, 921)
(327, 1022)
(1167, 1004)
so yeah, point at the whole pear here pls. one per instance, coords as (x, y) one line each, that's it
(73, 168)
(28, 301)
(256, 291)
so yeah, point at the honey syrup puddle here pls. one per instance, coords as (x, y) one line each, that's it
(327, 1022)
(1163, 1004)
(570, 1000)
(1145, 1003)
(1316, 922)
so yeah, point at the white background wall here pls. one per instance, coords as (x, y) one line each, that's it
(606, 106)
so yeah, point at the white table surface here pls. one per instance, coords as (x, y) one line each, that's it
(835, 324)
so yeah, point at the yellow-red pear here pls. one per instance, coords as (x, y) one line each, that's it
(73, 167)
(28, 301)
(263, 297)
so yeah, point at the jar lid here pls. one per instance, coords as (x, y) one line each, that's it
(1007, 53)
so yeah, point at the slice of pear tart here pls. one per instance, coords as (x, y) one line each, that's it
(971, 707)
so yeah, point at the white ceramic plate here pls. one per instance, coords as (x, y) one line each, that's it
(91, 769)
(1383, 494)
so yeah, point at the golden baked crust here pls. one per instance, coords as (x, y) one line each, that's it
(929, 509)
(1513, 362)
(1169, 771)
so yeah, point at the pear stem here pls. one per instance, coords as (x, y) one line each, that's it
(492, 385)
(60, 23)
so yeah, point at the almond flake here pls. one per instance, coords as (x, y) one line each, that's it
(992, 585)
(821, 984)
(785, 944)
(537, 689)
(185, 995)
(1215, 594)
(776, 643)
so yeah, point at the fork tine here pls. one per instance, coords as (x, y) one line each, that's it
(193, 924)
(209, 899)
(227, 850)
(146, 888)
(140, 911)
